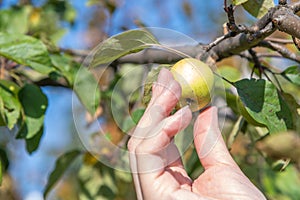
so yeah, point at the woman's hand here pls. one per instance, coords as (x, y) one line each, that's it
(155, 161)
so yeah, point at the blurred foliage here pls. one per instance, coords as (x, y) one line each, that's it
(262, 130)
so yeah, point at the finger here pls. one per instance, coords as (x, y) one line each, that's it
(164, 98)
(149, 162)
(163, 79)
(166, 93)
(157, 148)
(156, 152)
(208, 140)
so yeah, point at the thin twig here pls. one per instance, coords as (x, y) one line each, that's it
(218, 40)
(225, 6)
(266, 75)
(256, 61)
(276, 79)
(279, 40)
(280, 49)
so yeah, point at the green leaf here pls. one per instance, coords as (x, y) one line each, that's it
(264, 103)
(87, 89)
(32, 144)
(295, 110)
(2, 114)
(1, 172)
(34, 103)
(65, 66)
(235, 131)
(130, 121)
(231, 100)
(61, 165)
(230, 73)
(9, 103)
(26, 50)
(151, 78)
(137, 115)
(282, 185)
(97, 182)
(239, 2)
(81, 79)
(10, 86)
(258, 8)
(292, 74)
(122, 44)
(15, 20)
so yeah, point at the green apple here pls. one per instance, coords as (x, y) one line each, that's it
(196, 80)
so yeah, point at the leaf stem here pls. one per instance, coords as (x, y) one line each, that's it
(225, 79)
(171, 50)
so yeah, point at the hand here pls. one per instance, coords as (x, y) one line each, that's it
(155, 161)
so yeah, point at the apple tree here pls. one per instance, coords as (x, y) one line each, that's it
(258, 100)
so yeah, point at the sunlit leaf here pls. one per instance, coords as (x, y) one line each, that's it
(9, 103)
(258, 8)
(10, 86)
(65, 66)
(25, 50)
(81, 80)
(87, 89)
(34, 103)
(264, 103)
(230, 73)
(243, 111)
(130, 81)
(122, 44)
(235, 131)
(292, 74)
(2, 114)
(239, 2)
(15, 20)
(61, 165)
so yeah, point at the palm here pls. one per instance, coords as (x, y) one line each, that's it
(222, 182)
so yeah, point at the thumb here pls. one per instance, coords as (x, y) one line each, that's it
(209, 142)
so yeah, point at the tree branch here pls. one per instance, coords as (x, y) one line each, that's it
(279, 40)
(162, 56)
(295, 7)
(51, 82)
(280, 17)
(280, 49)
(239, 43)
(285, 20)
